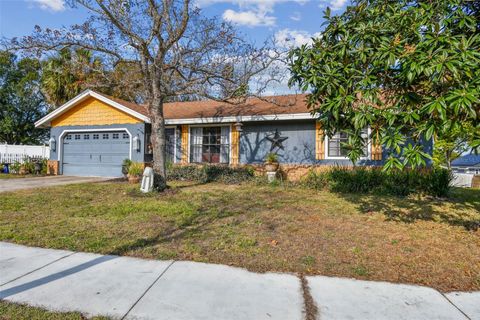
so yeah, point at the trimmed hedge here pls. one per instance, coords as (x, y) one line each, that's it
(434, 182)
(210, 173)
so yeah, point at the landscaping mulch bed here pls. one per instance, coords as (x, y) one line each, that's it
(418, 240)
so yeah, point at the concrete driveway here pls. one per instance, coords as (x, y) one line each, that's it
(40, 182)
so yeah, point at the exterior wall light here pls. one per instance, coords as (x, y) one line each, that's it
(52, 143)
(136, 144)
(238, 126)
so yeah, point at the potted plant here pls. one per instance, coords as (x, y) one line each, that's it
(271, 162)
(135, 171)
(125, 166)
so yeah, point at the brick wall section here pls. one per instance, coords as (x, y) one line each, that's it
(52, 167)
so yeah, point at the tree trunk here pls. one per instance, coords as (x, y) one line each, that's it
(448, 159)
(159, 146)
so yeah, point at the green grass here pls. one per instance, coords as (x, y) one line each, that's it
(417, 240)
(11, 176)
(13, 311)
(19, 176)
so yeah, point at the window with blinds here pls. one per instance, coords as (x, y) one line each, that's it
(210, 144)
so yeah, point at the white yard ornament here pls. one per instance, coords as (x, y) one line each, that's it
(147, 180)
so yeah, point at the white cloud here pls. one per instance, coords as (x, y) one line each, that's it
(337, 4)
(296, 16)
(249, 18)
(288, 38)
(52, 5)
(252, 13)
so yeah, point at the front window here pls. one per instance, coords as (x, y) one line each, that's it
(210, 145)
(335, 148)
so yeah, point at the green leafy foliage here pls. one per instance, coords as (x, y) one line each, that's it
(271, 158)
(135, 168)
(21, 102)
(211, 173)
(435, 182)
(409, 69)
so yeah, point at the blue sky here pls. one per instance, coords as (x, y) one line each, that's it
(296, 20)
(289, 22)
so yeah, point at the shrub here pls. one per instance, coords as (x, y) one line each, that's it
(437, 183)
(359, 180)
(434, 182)
(211, 173)
(15, 167)
(44, 167)
(126, 163)
(29, 165)
(135, 169)
(315, 180)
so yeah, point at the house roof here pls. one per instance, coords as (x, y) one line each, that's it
(468, 160)
(285, 107)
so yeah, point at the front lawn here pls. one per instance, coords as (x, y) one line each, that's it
(263, 228)
(14, 311)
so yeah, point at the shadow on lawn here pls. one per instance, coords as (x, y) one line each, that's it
(196, 223)
(465, 205)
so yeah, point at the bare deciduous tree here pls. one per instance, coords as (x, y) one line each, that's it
(180, 53)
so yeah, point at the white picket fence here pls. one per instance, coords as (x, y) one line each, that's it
(463, 180)
(18, 153)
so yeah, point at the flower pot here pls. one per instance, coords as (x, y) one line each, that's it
(271, 167)
(133, 179)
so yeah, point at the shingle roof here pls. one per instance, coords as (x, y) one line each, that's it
(466, 161)
(273, 105)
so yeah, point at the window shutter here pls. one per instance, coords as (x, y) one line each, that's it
(377, 148)
(184, 146)
(319, 142)
(235, 158)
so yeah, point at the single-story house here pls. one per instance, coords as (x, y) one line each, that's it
(93, 133)
(469, 163)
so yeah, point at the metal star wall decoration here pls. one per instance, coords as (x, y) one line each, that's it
(276, 140)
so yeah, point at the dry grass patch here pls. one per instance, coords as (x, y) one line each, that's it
(262, 228)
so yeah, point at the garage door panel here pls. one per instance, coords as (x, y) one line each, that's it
(95, 154)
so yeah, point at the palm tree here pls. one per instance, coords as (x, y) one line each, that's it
(69, 73)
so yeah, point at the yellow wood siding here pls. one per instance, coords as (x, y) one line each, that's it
(319, 142)
(184, 144)
(91, 112)
(235, 146)
(377, 148)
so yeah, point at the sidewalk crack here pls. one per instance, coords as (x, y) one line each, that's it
(453, 304)
(149, 287)
(309, 306)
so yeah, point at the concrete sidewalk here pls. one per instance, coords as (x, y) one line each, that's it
(129, 288)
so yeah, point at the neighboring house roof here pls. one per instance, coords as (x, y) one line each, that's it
(468, 160)
(286, 107)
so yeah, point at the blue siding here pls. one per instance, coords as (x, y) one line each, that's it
(299, 148)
